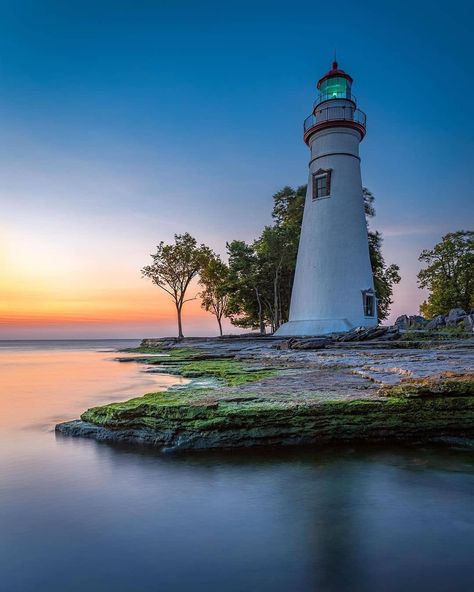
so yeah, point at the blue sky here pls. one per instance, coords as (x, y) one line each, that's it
(125, 122)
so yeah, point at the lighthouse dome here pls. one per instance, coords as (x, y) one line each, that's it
(335, 84)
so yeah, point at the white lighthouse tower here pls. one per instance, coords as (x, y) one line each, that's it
(333, 289)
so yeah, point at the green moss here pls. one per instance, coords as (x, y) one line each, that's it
(441, 334)
(230, 372)
(446, 385)
(217, 420)
(221, 416)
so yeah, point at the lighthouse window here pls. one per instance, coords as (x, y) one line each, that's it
(321, 183)
(335, 88)
(369, 303)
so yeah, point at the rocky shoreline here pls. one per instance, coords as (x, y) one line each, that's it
(253, 391)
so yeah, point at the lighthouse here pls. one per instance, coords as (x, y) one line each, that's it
(333, 290)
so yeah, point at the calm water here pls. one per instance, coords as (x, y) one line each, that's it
(77, 515)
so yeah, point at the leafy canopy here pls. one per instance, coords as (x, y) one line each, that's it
(262, 273)
(449, 275)
(214, 276)
(174, 267)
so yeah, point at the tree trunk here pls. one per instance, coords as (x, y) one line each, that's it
(260, 315)
(275, 323)
(220, 326)
(180, 325)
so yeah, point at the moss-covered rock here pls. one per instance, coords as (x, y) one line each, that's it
(253, 403)
(196, 419)
(191, 363)
(446, 384)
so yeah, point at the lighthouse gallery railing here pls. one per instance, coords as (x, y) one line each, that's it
(337, 113)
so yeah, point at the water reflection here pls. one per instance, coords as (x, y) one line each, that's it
(81, 515)
(44, 386)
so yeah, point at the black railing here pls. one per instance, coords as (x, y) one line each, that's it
(342, 113)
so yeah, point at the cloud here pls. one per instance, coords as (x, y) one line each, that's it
(403, 230)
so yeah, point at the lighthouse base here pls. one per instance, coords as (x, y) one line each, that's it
(312, 328)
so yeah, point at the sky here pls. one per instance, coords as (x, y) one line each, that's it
(125, 122)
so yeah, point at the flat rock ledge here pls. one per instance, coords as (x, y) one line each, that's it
(234, 424)
(249, 393)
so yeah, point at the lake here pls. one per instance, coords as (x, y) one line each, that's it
(77, 515)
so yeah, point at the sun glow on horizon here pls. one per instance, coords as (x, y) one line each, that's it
(46, 286)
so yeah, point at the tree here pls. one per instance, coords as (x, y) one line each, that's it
(245, 304)
(214, 276)
(449, 276)
(261, 274)
(288, 212)
(276, 251)
(173, 268)
(384, 277)
(288, 207)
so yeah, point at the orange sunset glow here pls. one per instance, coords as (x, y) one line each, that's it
(47, 291)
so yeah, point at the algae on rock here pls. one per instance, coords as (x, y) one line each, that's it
(269, 397)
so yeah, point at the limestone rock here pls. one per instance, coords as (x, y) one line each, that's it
(469, 322)
(410, 322)
(352, 335)
(391, 334)
(296, 397)
(283, 345)
(367, 334)
(313, 343)
(455, 315)
(415, 410)
(402, 322)
(436, 323)
(160, 342)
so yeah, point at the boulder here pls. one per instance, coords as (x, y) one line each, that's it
(402, 322)
(286, 344)
(410, 322)
(455, 315)
(366, 334)
(352, 335)
(312, 343)
(436, 323)
(392, 334)
(373, 333)
(469, 322)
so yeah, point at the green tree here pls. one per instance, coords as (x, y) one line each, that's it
(276, 251)
(384, 276)
(262, 273)
(288, 207)
(449, 276)
(174, 267)
(245, 304)
(288, 212)
(214, 277)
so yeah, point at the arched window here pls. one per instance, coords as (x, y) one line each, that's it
(322, 183)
